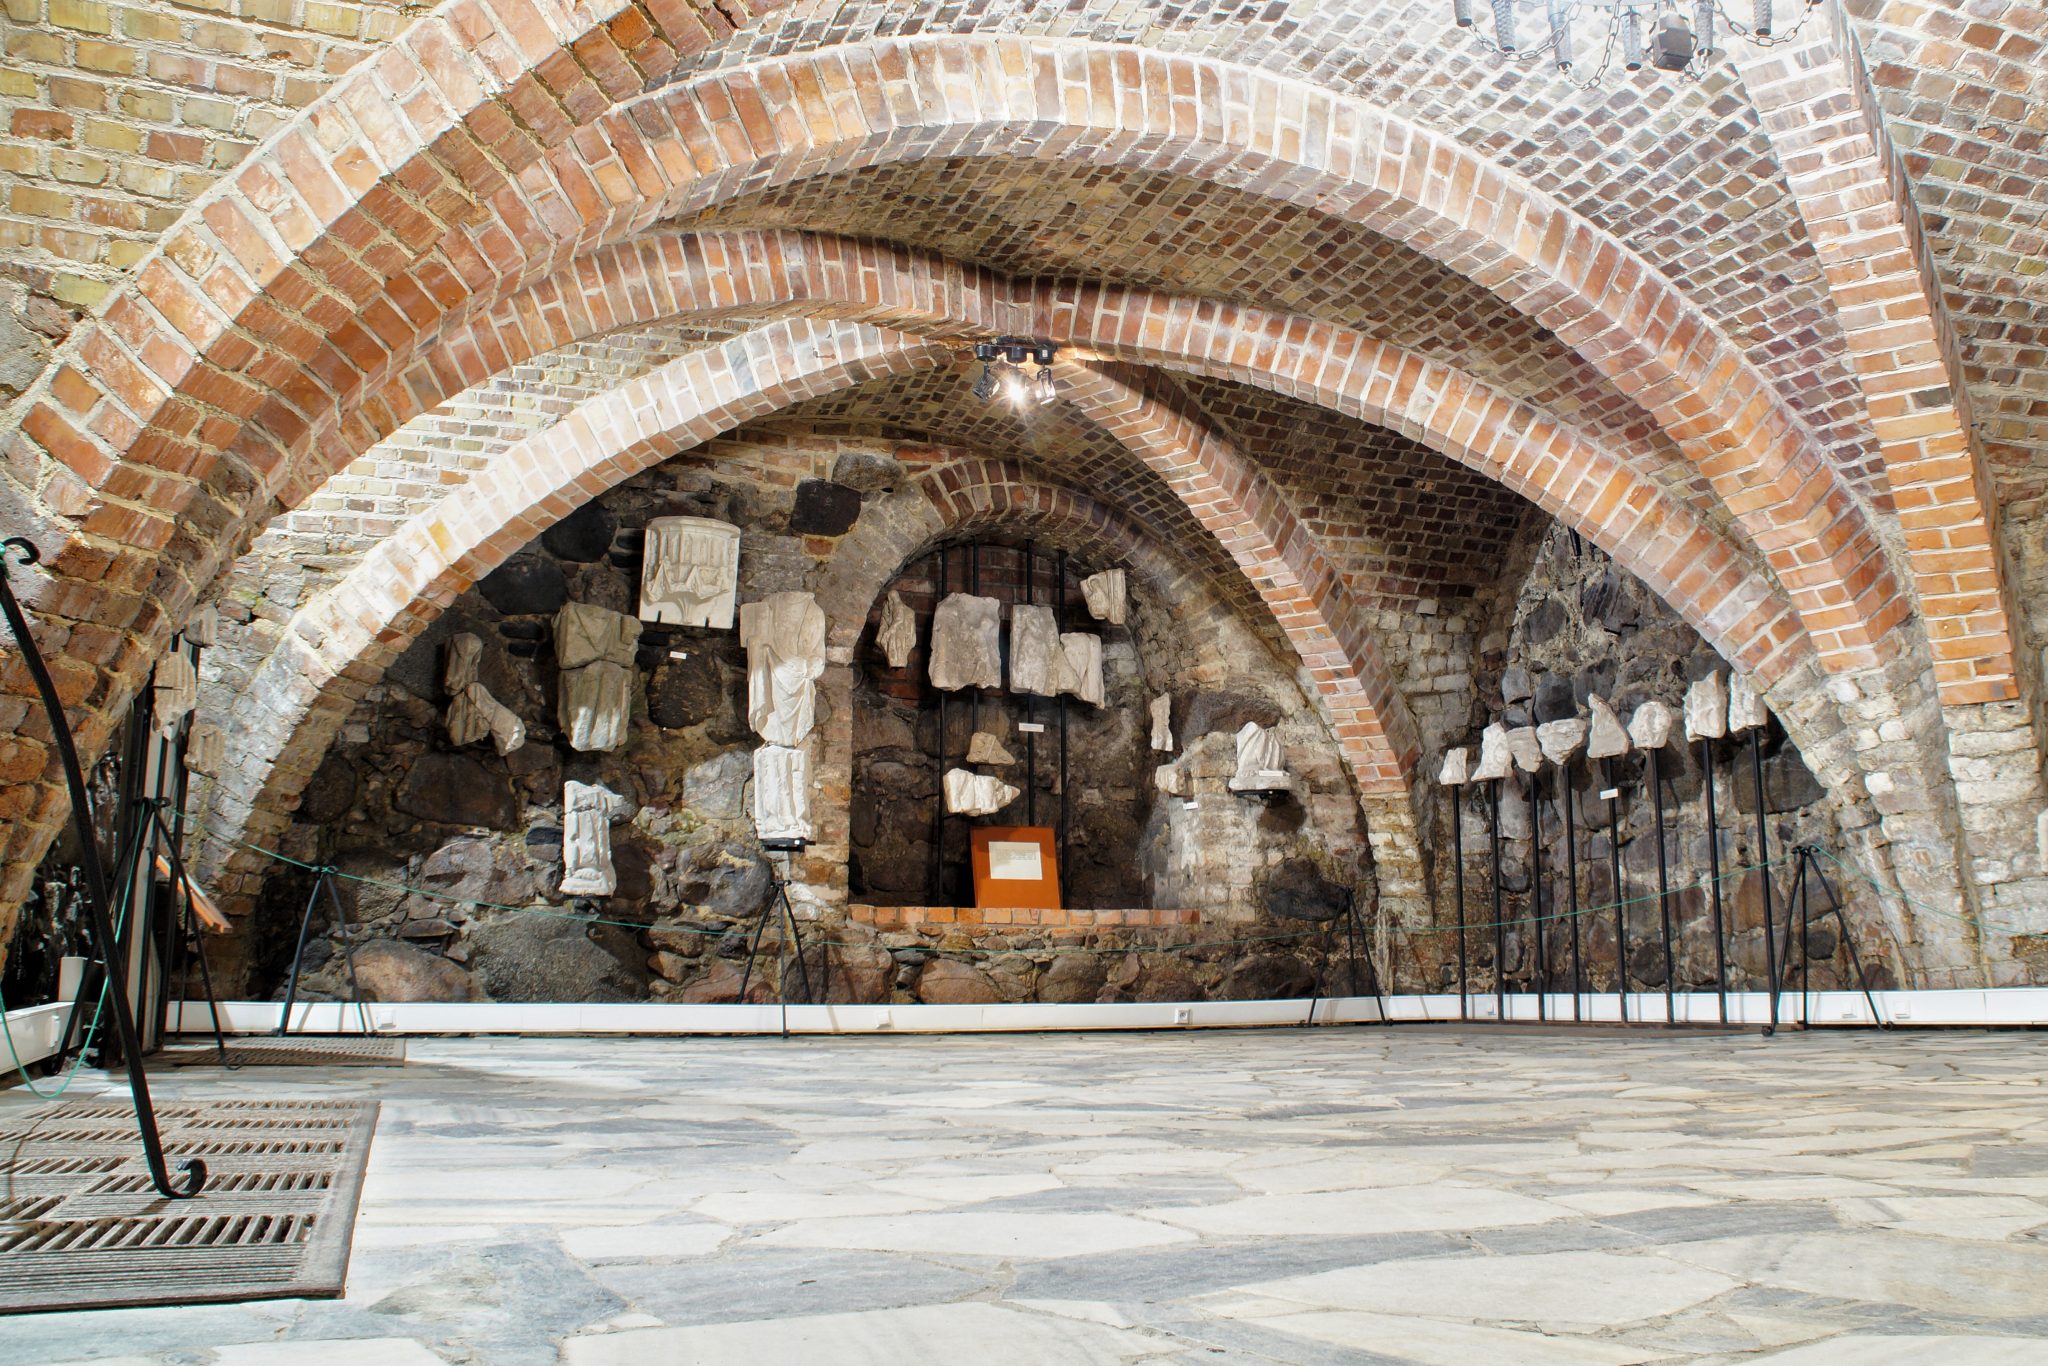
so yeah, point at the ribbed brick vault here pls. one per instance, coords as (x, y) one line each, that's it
(1339, 306)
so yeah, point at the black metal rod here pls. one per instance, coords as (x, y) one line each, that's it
(935, 892)
(1763, 870)
(753, 949)
(1571, 878)
(1500, 928)
(1031, 702)
(96, 887)
(1849, 943)
(1614, 876)
(1714, 874)
(1804, 897)
(1664, 889)
(1458, 877)
(1539, 962)
(348, 958)
(1059, 612)
(291, 991)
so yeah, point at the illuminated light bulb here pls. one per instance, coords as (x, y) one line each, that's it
(1015, 387)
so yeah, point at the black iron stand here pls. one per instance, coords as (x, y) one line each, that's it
(1620, 896)
(1763, 871)
(1539, 947)
(1571, 878)
(1809, 873)
(193, 1168)
(1714, 874)
(793, 939)
(1458, 877)
(1500, 927)
(323, 882)
(1664, 888)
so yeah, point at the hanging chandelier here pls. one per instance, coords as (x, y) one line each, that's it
(1003, 370)
(1584, 38)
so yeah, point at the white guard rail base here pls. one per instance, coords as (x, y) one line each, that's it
(2006, 1007)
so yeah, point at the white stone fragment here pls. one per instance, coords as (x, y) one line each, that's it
(1261, 760)
(1745, 705)
(473, 713)
(588, 635)
(782, 793)
(1162, 723)
(1495, 758)
(203, 626)
(690, 574)
(1081, 666)
(966, 643)
(177, 692)
(976, 794)
(1523, 745)
(1035, 659)
(1560, 740)
(1650, 727)
(1706, 709)
(588, 811)
(206, 749)
(1608, 738)
(897, 634)
(1107, 595)
(1457, 768)
(784, 637)
(1172, 780)
(594, 648)
(983, 748)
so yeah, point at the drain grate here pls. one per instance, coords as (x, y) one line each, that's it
(82, 1228)
(292, 1051)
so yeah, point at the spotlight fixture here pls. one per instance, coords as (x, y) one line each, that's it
(1003, 370)
(1630, 32)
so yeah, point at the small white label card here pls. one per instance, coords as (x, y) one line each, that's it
(1015, 861)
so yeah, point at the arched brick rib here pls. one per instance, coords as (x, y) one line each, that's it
(1822, 117)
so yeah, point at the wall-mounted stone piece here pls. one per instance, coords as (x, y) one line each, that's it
(966, 644)
(594, 648)
(1081, 666)
(1107, 595)
(1523, 746)
(1607, 738)
(976, 794)
(984, 748)
(588, 811)
(782, 793)
(784, 637)
(203, 626)
(1650, 727)
(1560, 740)
(1706, 709)
(1495, 758)
(690, 572)
(897, 633)
(1172, 780)
(473, 714)
(1457, 768)
(1036, 663)
(1261, 761)
(206, 749)
(1745, 705)
(1162, 723)
(177, 692)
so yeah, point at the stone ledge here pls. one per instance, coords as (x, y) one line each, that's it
(970, 917)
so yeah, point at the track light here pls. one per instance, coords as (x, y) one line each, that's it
(1671, 48)
(1003, 370)
(1561, 32)
(1504, 24)
(1461, 10)
(1663, 34)
(1760, 21)
(1016, 388)
(1631, 40)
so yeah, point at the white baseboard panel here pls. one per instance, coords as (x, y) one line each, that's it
(2012, 1006)
(36, 1032)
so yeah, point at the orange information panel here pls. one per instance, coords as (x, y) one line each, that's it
(1014, 865)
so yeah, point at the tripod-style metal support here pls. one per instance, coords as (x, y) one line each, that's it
(95, 888)
(779, 900)
(323, 882)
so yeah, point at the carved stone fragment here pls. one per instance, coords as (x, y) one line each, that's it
(1745, 705)
(588, 811)
(1609, 738)
(1035, 659)
(1107, 595)
(691, 572)
(784, 636)
(1081, 667)
(976, 794)
(203, 626)
(1162, 723)
(206, 749)
(595, 649)
(1171, 779)
(897, 633)
(1650, 727)
(1457, 768)
(586, 635)
(782, 793)
(1706, 709)
(966, 645)
(1560, 740)
(177, 692)
(1495, 759)
(1523, 745)
(983, 748)
(1261, 760)
(472, 712)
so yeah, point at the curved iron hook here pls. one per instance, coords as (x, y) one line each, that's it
(193, 1168)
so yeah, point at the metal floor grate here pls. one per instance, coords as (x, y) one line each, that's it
(82, 1228)
(294, 1050)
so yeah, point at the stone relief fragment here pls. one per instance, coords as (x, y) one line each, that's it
(1608, 738)
(691, 572)
(1107, 595)
(784, 637)
(588, 811)
(1560, 740)
(1035, 659)
(473, 713)
(897, 633)
(1261, 760)
(206, 749)
(976, 794)
(594, 648)
(1495, 759)
(1162, 723)
(1081, 666)
(966, 645)
(984, 748)
(1522, 744)
(1457, 768)
(1706, 709)
(1650, 727)
(1745, 705)
(782, 793)
(177, 692)
(203, 626)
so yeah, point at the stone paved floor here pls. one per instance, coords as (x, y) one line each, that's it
(1426, 1195)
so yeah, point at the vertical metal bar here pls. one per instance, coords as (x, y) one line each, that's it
(935, 891)
(1059, 612)
(1805, 899)
(1714, 875)
(1763, 869)
(1849, 943)
(1539, 962)
(1571, 877)
(1458, 876)
(291, 991)
(1500, 928)
(1614, 876)
(1664, 890)
(1030, 701)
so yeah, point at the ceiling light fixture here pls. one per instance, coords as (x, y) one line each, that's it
(1002, 369)
(1630, 32)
